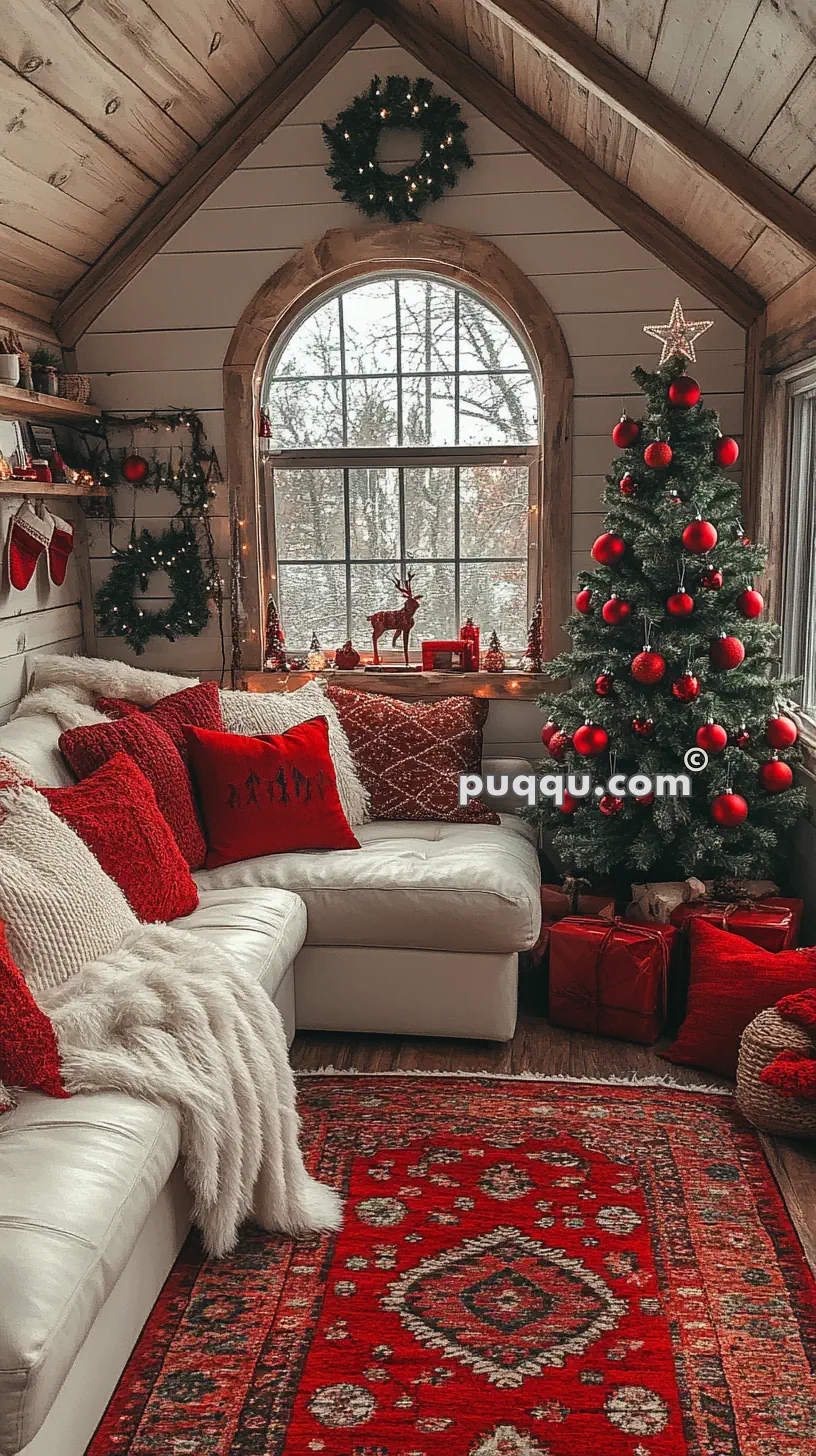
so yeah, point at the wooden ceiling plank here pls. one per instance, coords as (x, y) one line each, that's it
(546, 89)
(772, 263)
(243, 130)
(280, 26)
(26, 303)
(615, 201)
(788, 147)
(490, 44)
(655, 114)
(775, 53)
(220, 36)
(42, 211)
(29, 263)
(695, 49)
(630, 30)
(720, 224)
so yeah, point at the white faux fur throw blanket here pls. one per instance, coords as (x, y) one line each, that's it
(68, 687)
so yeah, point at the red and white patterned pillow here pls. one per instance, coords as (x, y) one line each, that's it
(409, 755)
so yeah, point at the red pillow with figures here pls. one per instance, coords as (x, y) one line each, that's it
(197, 707)
(29, 1056)
(267, 795)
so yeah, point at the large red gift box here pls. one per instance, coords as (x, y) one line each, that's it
(772, 922)
(610, 977)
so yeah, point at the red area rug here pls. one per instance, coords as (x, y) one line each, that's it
(526, 1269)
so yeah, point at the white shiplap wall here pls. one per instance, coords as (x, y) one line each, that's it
(162, 341)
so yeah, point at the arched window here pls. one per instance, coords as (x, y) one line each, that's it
(405, 435)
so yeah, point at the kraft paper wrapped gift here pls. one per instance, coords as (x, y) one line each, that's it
(567, 899)
(610, 978)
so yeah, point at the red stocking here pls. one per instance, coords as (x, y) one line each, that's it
(60, 548)
(28, 537)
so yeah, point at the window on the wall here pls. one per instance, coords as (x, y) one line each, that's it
(799, 649)
(404, 419)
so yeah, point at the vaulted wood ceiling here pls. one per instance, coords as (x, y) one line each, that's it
(110, 108)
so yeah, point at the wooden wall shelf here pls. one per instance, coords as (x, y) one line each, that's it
(23, 404)
(37, 488)
(519, 686)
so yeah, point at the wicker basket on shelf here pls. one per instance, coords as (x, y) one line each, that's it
(768, 1034)
(76, 387)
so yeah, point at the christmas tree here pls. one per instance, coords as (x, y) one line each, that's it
(670, 653)
(534, 653)
(275, 646)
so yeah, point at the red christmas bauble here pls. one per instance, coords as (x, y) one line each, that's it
(615, 610)
(604, 684)
(729, 810)
(583, 602)
(135, 468)
(750, 602)
(699, 536)
(712, 579)
(644, 727)
(726, 451)
(570, 803)
(610, 806)
(775, 776)
(781, 732)
(558, 744)
(745, 540)
(590, 739)
(686, 688)
(609, 548)
(741, 737)
(625, 432)
(628, 485)
(680, 604)
(684, 391)
(711, 737)
(645, 798)
(726, 652)
(648, 667)
(548, 731)
(658, 455)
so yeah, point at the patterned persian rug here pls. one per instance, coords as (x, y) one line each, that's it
(527, 1268)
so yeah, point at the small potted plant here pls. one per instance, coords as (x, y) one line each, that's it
(45, 367)
(9, 361)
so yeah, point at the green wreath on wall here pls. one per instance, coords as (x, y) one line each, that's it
(178, 553)
(397, 103)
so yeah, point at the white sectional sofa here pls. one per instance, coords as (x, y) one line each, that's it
(418, 932)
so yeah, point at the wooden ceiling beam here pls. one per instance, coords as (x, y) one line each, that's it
(243, 130)
(617, 202)
(633, 97)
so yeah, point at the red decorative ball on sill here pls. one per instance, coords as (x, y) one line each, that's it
(610, 806)
(558, 744)
(134, 469)
(608, 548)
(699, 536)
(726, 452)
(684, 391)
(648, 667)
(781, 732)
(686, 688)
(590, 739)
(604, 684)
(658, 455)
(729, 810)
(628, 485)
(742, 737)
(711, 737)
(726, 652)
(625, 432)
(583, 602)
(548, 732)
(712, 579)
(680, 604)
(775, 776)
(750, 602)
(644, 727)
(616, 610)
(570, 803)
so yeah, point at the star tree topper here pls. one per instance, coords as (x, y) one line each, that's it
(678, 335)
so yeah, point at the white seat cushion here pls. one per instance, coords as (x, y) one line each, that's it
(263, 929)
(423, 886)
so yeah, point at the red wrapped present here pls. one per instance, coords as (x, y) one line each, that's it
(567, 899)
(772, 922)
(610, 977)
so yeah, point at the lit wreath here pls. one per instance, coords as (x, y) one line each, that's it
(178, 553)
(399, 104)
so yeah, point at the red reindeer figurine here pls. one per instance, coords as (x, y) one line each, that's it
(399, 622)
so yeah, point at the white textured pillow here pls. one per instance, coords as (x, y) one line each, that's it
(60, 908)
(256, 713)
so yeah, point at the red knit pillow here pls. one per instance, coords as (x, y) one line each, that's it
(268, 795)
(732, 980)
(198, 707)
(86, 749)
(29, 1056)
(114, 811)
(410, 755)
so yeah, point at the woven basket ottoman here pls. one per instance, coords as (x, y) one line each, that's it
(768, 1034)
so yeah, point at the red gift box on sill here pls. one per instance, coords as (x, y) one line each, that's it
(772, 922)
(610, 977)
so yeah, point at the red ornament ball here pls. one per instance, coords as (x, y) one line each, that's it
(644, 727)
(548, 731)
(134, 469)
(608, 548)
(775, 776)
(570, 803)
(628, 485)
(781, 732)
(699, 536)
(616, 610)
(645, 798)
(686, 688)
(604, 684)
(625, 432)
(742, 737)
(712, 579)
(680, 604)
(658, 455)
(610, 806)
(590, 739)
(726, 451)
(729, 810)
(648, 667)
(726, 652)
(558, 744)
(750, 602)
(583, 602)
(711, 737)
(684, 391)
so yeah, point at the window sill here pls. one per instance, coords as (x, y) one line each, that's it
(524, 686)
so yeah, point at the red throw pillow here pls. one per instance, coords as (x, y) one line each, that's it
(268, 795)
(410, 755)
(198, 707)
(732, 980)
(29, 1056)
(86, 749)
(114, 811)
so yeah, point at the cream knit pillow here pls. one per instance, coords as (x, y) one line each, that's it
(256, 713)
(60, 908)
